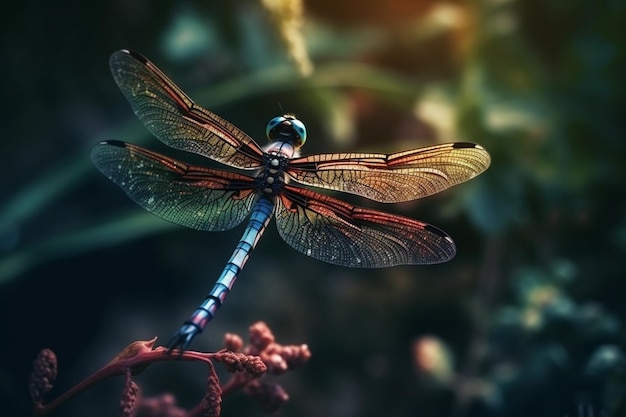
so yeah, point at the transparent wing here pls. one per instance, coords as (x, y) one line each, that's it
(195, 197)
(170, 115)
(336, 232)
(393, 178)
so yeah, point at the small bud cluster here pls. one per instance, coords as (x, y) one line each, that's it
(212, 401)
(43, 375)
(129, 397)
(278, 358)
(240, 362)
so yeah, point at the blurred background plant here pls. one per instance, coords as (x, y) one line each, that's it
(527, 320)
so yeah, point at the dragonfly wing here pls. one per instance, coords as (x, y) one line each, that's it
(336, 232)
(195, 197)
(170, 115)
(393, 178)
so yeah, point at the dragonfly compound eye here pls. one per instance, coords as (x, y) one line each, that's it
(271, 126)
(286, 128)
(300, 129)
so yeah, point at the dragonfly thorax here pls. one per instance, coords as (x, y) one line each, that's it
(271, 178)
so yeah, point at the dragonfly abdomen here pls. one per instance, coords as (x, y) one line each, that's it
(259, 219)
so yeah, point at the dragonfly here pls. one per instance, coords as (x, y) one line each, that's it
(272, 181)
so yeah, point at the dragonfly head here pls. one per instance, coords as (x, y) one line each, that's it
(286, 128)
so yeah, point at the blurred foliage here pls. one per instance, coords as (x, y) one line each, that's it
(528, 319)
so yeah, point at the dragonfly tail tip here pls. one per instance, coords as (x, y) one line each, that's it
(182, 338)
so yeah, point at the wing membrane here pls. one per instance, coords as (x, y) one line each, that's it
(195, 197)
(170, 115)
(393, 178)
(339, 233)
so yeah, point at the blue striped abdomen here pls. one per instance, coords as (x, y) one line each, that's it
(259, 219)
